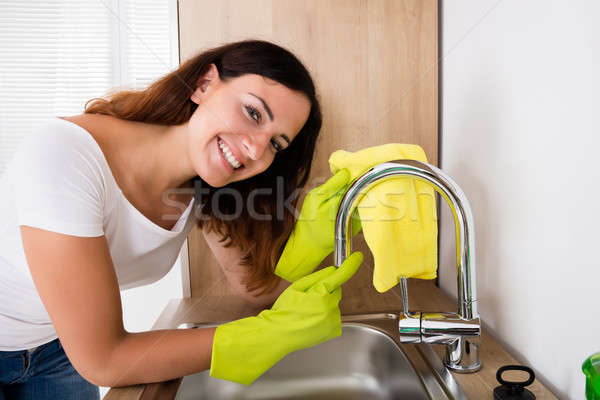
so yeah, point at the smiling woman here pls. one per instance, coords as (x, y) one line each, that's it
(230, 120)
(250, 113)
(238, 124)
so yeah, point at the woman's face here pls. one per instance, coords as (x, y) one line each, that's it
(233, 134)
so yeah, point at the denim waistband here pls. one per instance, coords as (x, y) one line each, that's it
(31, 350)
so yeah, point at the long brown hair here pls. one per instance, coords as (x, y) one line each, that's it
(167, 102)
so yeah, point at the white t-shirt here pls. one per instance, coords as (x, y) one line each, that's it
(59, 180)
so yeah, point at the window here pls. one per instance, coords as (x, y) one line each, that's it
(55, 55)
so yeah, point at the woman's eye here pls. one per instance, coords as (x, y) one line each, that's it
(252, 111)
(276, 145)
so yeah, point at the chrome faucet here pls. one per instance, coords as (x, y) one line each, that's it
(460, 332)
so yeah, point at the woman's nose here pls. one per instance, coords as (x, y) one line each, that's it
(254, 144)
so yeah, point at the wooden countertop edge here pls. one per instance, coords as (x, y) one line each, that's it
(423, 295)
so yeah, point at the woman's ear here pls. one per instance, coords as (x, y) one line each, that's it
(209, 79)
(196, 96)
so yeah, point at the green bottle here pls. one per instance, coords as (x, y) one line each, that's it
(591, 369)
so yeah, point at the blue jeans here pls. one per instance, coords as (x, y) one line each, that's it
(41, 374)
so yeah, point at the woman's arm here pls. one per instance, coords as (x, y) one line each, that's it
(76, 281)
(229, 259)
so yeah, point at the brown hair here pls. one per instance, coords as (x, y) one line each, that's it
(167, 102)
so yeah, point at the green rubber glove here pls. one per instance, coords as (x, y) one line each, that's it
(304, 315)
(313, 236)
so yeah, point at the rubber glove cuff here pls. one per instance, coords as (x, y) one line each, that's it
(230, 362)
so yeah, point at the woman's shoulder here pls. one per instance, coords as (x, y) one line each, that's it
(66, 133)
(59, 159)
(97, 126)
(103, 132)
(55, 138)
(61, 151)
(114, 136)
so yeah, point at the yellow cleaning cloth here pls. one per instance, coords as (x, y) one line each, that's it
(398, 216)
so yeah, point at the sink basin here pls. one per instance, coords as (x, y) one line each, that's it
(362, 363)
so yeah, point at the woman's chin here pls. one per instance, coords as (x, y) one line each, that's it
(215, 182)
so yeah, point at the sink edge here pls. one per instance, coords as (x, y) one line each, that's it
(435, 377)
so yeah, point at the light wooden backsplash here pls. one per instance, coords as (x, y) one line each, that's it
(375, 66)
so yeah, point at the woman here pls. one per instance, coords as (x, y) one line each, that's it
(88, 219)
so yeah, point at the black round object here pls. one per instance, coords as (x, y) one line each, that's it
(514, 390)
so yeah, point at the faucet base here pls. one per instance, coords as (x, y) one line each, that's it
(462, 355)
(464, 370)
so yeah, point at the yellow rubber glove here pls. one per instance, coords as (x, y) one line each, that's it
(313, 236)
(304, 315)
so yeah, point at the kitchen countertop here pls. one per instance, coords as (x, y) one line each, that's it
(423, 295)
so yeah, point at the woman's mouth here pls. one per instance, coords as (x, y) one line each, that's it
(227, 157)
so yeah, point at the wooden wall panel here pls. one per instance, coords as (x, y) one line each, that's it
(374, 63)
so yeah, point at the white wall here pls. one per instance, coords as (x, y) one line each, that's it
(142, 305)
(520, 86)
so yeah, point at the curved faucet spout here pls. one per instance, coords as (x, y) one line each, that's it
(449, 190)
(465, 246)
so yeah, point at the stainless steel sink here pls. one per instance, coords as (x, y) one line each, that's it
(362, 363)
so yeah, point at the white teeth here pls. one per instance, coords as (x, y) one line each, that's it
(228, 156)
